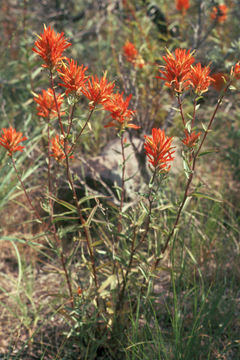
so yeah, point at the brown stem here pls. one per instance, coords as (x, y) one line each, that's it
(56, 104)
(133, 247)
(80, 133)
(119, 227)
(53, 229)
(49, 159)
(67, 279)
(125, 278)
(70, 119)
(194, 113)
(25, 191)
(83, 222)
(150, 201)
(191, 175)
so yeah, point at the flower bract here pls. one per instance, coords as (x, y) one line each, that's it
(121, 115)
(236, 71)
(132, 54)
(220, 80)
(159, 149)
(46, 106)
(98, 91)
(182, 5)
(10, 139)
(190, 138)
(73, 77)
(199, 78)
(176, 71)
(219, 12)
(50, 47)
(130, 51)
(57, 149)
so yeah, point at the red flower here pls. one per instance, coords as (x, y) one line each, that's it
(130, 51)
(219, 12)
(236, 71)
(199, 78)
(46, 105)
(58, 149)
(50, 46)
(73, 77)
(190, 139)
(98, 91)
(132, 54)
(176, 70)
(120, 113)
(159, 150)
(220, 80)
(10, 140)
(182, 5)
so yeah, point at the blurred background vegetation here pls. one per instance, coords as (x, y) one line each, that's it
(192, 312)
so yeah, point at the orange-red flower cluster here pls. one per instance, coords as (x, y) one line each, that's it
(236, 71)
(159, 149)
(98, 91)
(73, 77)
(179, 73)
(46, 105)
(182, 5)
(10, 139)
(120, 113)
(132, 54)
(176, 70)
(220, 13)
(50, 47)
(220, 80)
(57, 148)
(199, 78)
(190, 139)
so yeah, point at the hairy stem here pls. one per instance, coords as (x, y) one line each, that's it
(81, 131)
(119, 227)
(195, 156)
(194, 113)
(83, 222)
(25, 191)
(133, 247)
(56, 104)
(181, 109)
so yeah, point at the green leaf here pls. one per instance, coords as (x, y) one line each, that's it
(90, 217)
(205, 196)
(208, 152)
(67, 218)
(111, 280)
(89, 197)
(188, 125)
(191, 255)
(187, 170)
(186, 203)
(63, 203)
(204, 127)
(96, 243)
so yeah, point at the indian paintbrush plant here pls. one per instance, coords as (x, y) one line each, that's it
(116, 253)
